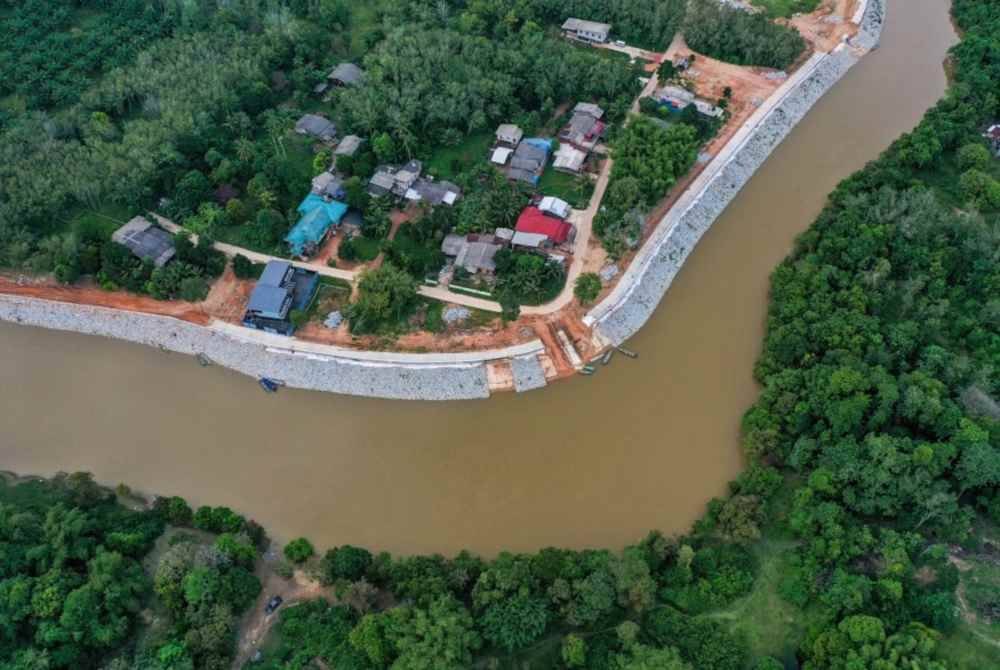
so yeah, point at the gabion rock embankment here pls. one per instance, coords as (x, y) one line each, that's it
(301, 370)
(644, 284)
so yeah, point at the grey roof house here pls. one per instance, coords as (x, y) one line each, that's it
(316, 126)
(474, 253)
(433, 192)
(146, 240)
(396, 180)
(346, 74)
(348, 146)
(281, 288)
(592, 31)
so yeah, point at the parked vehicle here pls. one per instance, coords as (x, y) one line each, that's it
(619, 43)
(273, 604)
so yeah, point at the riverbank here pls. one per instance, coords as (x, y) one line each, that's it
(630, 305)
(475, 374)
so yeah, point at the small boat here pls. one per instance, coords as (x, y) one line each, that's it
(587, 371)
(268, 384)
(606, 358)
(203, 360)
(626, 352)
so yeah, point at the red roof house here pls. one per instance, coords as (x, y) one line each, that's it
(532, 220)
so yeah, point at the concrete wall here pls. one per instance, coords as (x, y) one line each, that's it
(633, 300)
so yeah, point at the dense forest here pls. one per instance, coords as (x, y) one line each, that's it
(872, 489)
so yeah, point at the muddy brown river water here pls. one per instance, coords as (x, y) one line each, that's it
(594, 461)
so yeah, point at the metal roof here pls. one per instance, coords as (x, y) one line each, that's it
(146, 240)
(581, 25)
(347, 73)
(348, 146)
(317, 126)
(274, 273)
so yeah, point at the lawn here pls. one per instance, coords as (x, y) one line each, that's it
(449, 162)
(785, 8)
(573, 189)
(333, 294)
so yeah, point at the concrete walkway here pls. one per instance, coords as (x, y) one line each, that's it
(433, 292)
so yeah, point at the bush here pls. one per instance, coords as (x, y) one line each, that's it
(298, 550)
(345, 562)
(587, 288)
(974, 156)
(174, 510)
(244, 268)
(298, 318)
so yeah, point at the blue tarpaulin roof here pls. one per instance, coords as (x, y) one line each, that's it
(317, 217)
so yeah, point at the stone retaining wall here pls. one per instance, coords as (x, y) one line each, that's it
(409, 381)
(627, 308)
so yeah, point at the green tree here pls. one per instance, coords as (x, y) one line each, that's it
(587, 287)
(298, 550)
(385, 296)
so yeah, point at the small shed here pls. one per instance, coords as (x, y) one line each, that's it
(313, 125)
(146, 240)
(501, 155)
(992, 135)
(329, 185)
(346, 74)
(509, 134)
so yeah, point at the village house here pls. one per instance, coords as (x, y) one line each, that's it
(329, 186)
(536, 230)
(569, 159)
(553, 206)
(590, 31)
(319, 217)
(585, 127)
(992, 135)
(529, 159)
(313, 125)
(346, 74)
(509, 135)
(146, 240)
(281, 289)
(473, 253)
(348, 146)
(389, 179)
(677, 99)
(434, 193)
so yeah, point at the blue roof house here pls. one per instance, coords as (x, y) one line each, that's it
(319, 216)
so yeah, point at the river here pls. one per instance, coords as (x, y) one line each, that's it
(592, 462)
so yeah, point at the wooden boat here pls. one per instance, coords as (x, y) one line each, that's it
(269, 385)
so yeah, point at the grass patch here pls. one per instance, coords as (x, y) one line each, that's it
(449, 162)
(573, 189)
(330, 297)
(785, 8)
(969, 648)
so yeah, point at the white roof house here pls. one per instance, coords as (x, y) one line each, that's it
(510, 134)
(569, 159)
(348, 146)
(554, 206)
(587, 30)
(501, 155)
(531, 240)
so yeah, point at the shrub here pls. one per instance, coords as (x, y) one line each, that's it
(587, 288)
(244, 268)
(973, 156)
(174, 510)
(298, 317)
(345, 562)
(298, 550)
